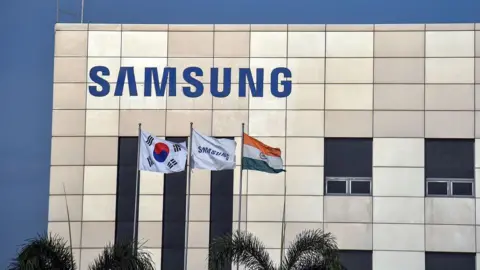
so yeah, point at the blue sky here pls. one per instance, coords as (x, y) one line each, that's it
(26, 72)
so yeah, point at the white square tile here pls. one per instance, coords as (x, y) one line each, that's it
(97, 234)
(65, 229)
(200, 208)
(268, 232)
(307, 97)
(398, 210)
(260, 183)
(265, 208)
(450, 211)
(398, 260)
(450, 43)
(199, 234)
(449, 70)
(104, 43)
(307, 70)
(268, 101)
(267, 64)
(299, 123)
(144, 44)
(150, 208)
(151, 183)
(267, 123)
(450, 238)
(347, 209)
(66, 180)
(304, 180)
(349, 70)
(150, 234)
(304, 208)
(398, 152)
(100, 180)
(297, 156)
(406, 182)
(99, 207)
(268, 44)
(197, 259)
(102, 123)
(57, 208)
(349, 97)
(349, 44)
(398, 237)
(353, 236)
(306, 44)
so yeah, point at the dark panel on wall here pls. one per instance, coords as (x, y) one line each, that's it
(449, 158)
(221, 204)
(126, 175)
(174, 203)
(356, 259)
(348, 157)
(449, 261)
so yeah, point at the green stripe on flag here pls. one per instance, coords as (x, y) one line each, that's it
(258, 165)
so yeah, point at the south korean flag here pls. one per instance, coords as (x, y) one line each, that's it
(160, 155)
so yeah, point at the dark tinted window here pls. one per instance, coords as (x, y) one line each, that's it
(449, 261)
(449, 158)
(462, 188)
(437, 188)
(348, 157)
(356, 259)
(360, 187)
(336, 187)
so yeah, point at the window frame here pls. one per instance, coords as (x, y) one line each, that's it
(450, 182)
(348, 183)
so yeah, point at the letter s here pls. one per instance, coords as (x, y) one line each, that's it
(199, 149)
(105, 86)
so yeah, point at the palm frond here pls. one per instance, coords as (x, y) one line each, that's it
(44, 252)
(121, 256)
(312, 246)
(242, 248)
(315, 261)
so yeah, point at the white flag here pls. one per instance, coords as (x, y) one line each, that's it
(212, 154)
(160, 155)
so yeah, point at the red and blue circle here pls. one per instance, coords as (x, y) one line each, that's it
(160, 152)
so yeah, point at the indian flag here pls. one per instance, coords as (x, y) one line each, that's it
(260, 157)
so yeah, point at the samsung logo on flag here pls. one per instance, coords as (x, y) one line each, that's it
(212, 152)
(158, 80)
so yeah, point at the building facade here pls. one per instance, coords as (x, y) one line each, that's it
(378, 138)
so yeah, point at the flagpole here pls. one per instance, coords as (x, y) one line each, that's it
(189, 178)
(282, 244)
(137, 184)
(241, 184)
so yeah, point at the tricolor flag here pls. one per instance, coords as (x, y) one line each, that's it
(161, 156)
(258, 156)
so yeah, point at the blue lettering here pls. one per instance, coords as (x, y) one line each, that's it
(132, 84)
(287, 85)
(245, 75)
(187, 76)
(169, 74)
(105, 86)
(227, 82)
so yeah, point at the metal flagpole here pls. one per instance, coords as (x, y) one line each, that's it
(189, 178)
(241, 184)
(137, 184)
(282, 245)
(83, 6)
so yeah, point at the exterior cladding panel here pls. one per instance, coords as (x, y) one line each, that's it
(395, 85)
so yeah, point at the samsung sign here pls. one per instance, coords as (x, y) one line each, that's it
(158, 80)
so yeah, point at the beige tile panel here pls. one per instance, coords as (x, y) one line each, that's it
(349, 97)
(398, 97)
(349, 70)
(450, 238)
(113, 65)
(477, 124)
(399, 27)
(69, 96)
(178, 122)
(70, 69)
(268, 44)
(88, 256)
(400, 44)
(304, 181)
(232, 27)
(101, 150)
(181, 63)
(234, 64)
(296, 155)
(269, 27)
(110, 101)
(229, 123)
(477, 97)
(139, 65)
(100, 180)
(71, 43)
(190, 27)
(231, 44)
(353, 236)
(70, 177)
(182, 102)
(449, 26)
(71, 27)
(67, 151)
(144, 44)
(150, 208)
(477, 42)
(299, 208)
(348, 123)
(268, 101)
(306, 44)
(68, 123)
(449, 44)
(151, 120)
(477, 70)
(305, 123)
(269, 64)
(102, 123)
(306, 70)
(99, 207)
(395, 124)
(399, 70)
(65, 230)
(451, 124)
(232, 101)
(307, 97)
(152, 183)
(190, 44)
(144, 27)
(104, 27)
(57, 208)
(97, 234)
(140, 102)
(449, 97)
(267, 123)
(104, 43)
(349, 27)
(150, 233)
(349, 44)
(306, 27)
(449, 70)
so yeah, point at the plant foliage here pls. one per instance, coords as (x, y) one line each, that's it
(123, 256)
(44, 252)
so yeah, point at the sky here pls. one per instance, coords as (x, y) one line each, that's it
(26, 72)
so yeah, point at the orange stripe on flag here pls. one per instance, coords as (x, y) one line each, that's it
(267, 150)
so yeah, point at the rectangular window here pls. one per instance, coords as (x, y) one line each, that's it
(449, 261)
(449, 167)
(348, 166)
(356, 259)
